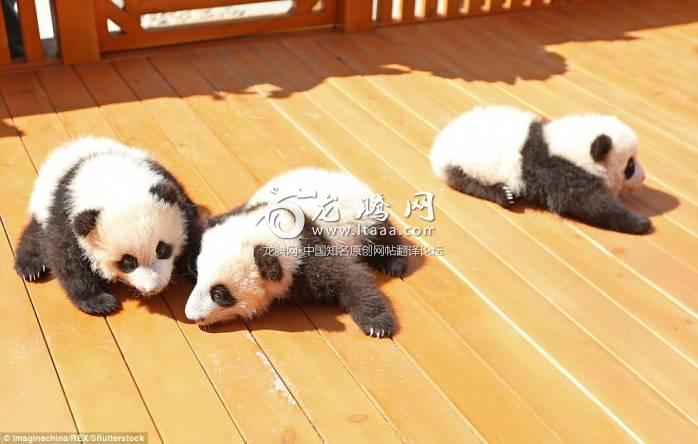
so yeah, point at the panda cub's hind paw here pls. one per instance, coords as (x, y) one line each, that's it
(506, 196)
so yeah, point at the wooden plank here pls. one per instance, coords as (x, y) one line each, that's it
(31, 40)
(116, 406)
(352, 155)
(33, 397)
(169, 113)
(77, 31)
(5, 57)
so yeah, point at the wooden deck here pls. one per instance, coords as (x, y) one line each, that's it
(530, 328)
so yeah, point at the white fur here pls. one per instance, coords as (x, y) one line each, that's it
(115, 180)
(571, 137)
(486, 142)
(349, 190)
(61, 160)
(227, 258)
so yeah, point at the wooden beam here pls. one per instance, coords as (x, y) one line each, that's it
(5, 58)
(430, 8)
(452, 8)
(408, 10)
(356, 15)
(31, 40)
(385, 11)
(77, 31)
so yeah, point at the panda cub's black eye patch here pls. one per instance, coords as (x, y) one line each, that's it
(221, 296)
(630, 168)
(163, 250)
(127, 263)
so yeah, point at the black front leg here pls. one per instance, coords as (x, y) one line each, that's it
(31, 263)
(348, 281)
(604, 210)
(84, 287)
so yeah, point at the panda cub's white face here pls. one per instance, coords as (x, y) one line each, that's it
(137, 245)
(571, 137)
(235, 278)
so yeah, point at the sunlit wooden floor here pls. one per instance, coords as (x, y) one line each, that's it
(530, 328)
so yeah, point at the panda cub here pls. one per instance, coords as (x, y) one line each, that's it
(575, 165)
(103, 212)
(244, 264)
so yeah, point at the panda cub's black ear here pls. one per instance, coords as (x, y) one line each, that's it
(166, 191)
(600, 147)
(85, 221)
(267, 263)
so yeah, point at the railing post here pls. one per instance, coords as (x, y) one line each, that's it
(356, 15)
(77, 31)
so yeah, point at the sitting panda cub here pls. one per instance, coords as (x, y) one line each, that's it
(244, 264)
(103, 212)
(575, 165)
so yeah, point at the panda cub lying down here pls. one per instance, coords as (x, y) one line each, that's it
(243, 265)
(575, 165)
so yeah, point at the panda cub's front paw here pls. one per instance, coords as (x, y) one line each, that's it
(639, 224)
(100, 304)
(380, 326)
(31, 267)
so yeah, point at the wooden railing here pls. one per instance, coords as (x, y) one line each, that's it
(29, 27)
(410, 11)
(83, 32)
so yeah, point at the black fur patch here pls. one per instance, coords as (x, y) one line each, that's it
(185, 263)
(600, 147)
(560, 186)
(269, 265)
(222, 296)
(67, 260)
(85, 221)
(31, 263)
(499, 193)
(166, 191)
(345, 280)
(388, 263)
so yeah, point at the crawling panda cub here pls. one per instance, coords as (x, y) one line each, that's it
(102, 212)
(244, 264)
(576, 165)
